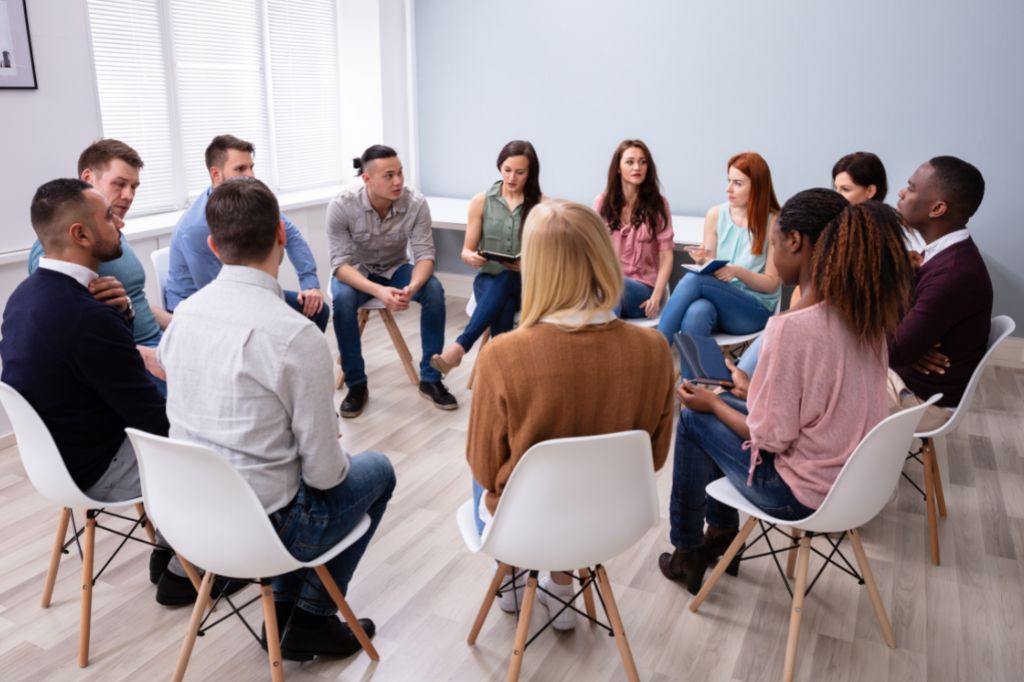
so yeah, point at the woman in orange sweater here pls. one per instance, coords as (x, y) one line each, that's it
(571, 368)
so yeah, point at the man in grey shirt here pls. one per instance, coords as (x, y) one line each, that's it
(369, 230)
(252, 380)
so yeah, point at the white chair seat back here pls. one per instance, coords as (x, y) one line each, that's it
(575, 502)
(1002, 326)
(161, 260)
(206, 510)
(865, 483)
(39, 454)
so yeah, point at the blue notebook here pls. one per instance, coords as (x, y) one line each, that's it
(706, 269)
(701, 360)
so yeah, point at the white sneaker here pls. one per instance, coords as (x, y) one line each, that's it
(507, 601)
(566, 620)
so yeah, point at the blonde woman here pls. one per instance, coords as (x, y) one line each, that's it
(571, 368)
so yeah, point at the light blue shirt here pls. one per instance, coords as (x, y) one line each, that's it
(129, 271)
(734, 245)
(193, 265)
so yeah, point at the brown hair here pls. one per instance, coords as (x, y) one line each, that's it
(650, 205)
(862, 269)
(531, 191)
(762, 202)
(865, 169)
(243, 215)
(217, 150)
(54, 203)
(100, 153)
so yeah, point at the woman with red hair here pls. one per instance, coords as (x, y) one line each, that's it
(739, 297)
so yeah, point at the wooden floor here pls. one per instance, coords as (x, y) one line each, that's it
(963, 620)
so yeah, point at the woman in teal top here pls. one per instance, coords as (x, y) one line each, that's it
(739, 297)
(495, 225)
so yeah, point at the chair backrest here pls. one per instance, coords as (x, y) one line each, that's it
(575, 502)
(1002, 326)
(161, 260)
(39, 454)
(866, 481)
(206, 510)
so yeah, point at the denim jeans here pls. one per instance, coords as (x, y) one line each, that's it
(748, 361)
(633, 294)
(707, 449)
(497, 300)
(320, 319)
(478, 492)
(346, 323)
(316, 520)
(702, 305)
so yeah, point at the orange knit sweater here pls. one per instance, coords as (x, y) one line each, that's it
(541, 382)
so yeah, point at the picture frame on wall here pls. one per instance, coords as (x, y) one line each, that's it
(17, 68)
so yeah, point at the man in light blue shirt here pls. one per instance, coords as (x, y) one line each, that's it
(193, 265)
(112, 168)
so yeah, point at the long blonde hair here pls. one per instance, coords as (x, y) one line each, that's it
(569, 265)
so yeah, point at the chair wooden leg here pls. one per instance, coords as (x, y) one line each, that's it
(363, 316)
(193, 576)
(616, 622)
(722, 564)
(929, 502)
(522, 629)
(147, 524)
(399, 342)
(940, 497)
(791, 559)
(472, 373)
(193, 627)
(485, 607)
(273, 639)
(58, 549)
(346, 611)
(588, 596)
(798, 608)
(85, 616)
(869, 580)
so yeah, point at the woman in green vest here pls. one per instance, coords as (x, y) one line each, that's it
(493, 230)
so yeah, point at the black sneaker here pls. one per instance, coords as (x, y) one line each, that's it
(355, 401)
(174, 590)
(333, 638)
(158, 560)
(437, 393)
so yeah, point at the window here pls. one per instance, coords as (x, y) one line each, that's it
(172, 75)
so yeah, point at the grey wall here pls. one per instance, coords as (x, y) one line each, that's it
(802, 82)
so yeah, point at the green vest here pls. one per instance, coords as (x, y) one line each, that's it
(500, 228)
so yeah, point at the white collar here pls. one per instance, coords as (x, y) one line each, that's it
(79, 273)
(579, 318)
(944, 242)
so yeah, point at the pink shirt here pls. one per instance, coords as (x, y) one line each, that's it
(637, 250)
(816, 393)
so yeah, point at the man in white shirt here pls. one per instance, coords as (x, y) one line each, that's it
(254, 381)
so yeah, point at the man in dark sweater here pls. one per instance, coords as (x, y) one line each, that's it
(943, 337)
(73, 358)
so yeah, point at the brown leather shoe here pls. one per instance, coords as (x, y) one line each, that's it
(716, 541)
(685, 566)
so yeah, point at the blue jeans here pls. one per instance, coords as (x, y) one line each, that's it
(346, 323)
(316, 520)
(160, 384)
(707, 449)
(702, 305)
(633, 294)
(320, 319)
(748, 361)
(497, 300)
(478, 492)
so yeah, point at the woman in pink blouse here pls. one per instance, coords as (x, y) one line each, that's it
(819, 388)
(640, 224)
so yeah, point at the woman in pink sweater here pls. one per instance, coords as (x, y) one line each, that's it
(819, 388)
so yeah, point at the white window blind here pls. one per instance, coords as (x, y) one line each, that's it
(174, 74)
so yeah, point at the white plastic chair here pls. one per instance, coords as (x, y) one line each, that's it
(741, 340)
(934, 498)
(49, 475)
(569, 503)
(397, 340)
(161, 260)
(861, 490)
(210, 514)
(651, 321)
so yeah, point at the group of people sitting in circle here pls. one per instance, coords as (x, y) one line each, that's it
(872, 327)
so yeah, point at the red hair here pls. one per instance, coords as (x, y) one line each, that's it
(762, 200)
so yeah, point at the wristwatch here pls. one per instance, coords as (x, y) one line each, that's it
(129, 312)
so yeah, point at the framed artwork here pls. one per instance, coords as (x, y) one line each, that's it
(16, 67)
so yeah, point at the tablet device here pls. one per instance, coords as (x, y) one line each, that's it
(499, 257)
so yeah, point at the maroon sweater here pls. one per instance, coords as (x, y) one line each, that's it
(952, 306)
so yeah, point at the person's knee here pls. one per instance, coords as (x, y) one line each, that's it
(700, 317)
(345, 300)
(433, 292)
(382, 471)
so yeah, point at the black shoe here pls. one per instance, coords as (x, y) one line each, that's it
(716, 542)
(158, 560)
(173, 590)
(355, 401)
(437, 393)
(685, 566)
(333, 638)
